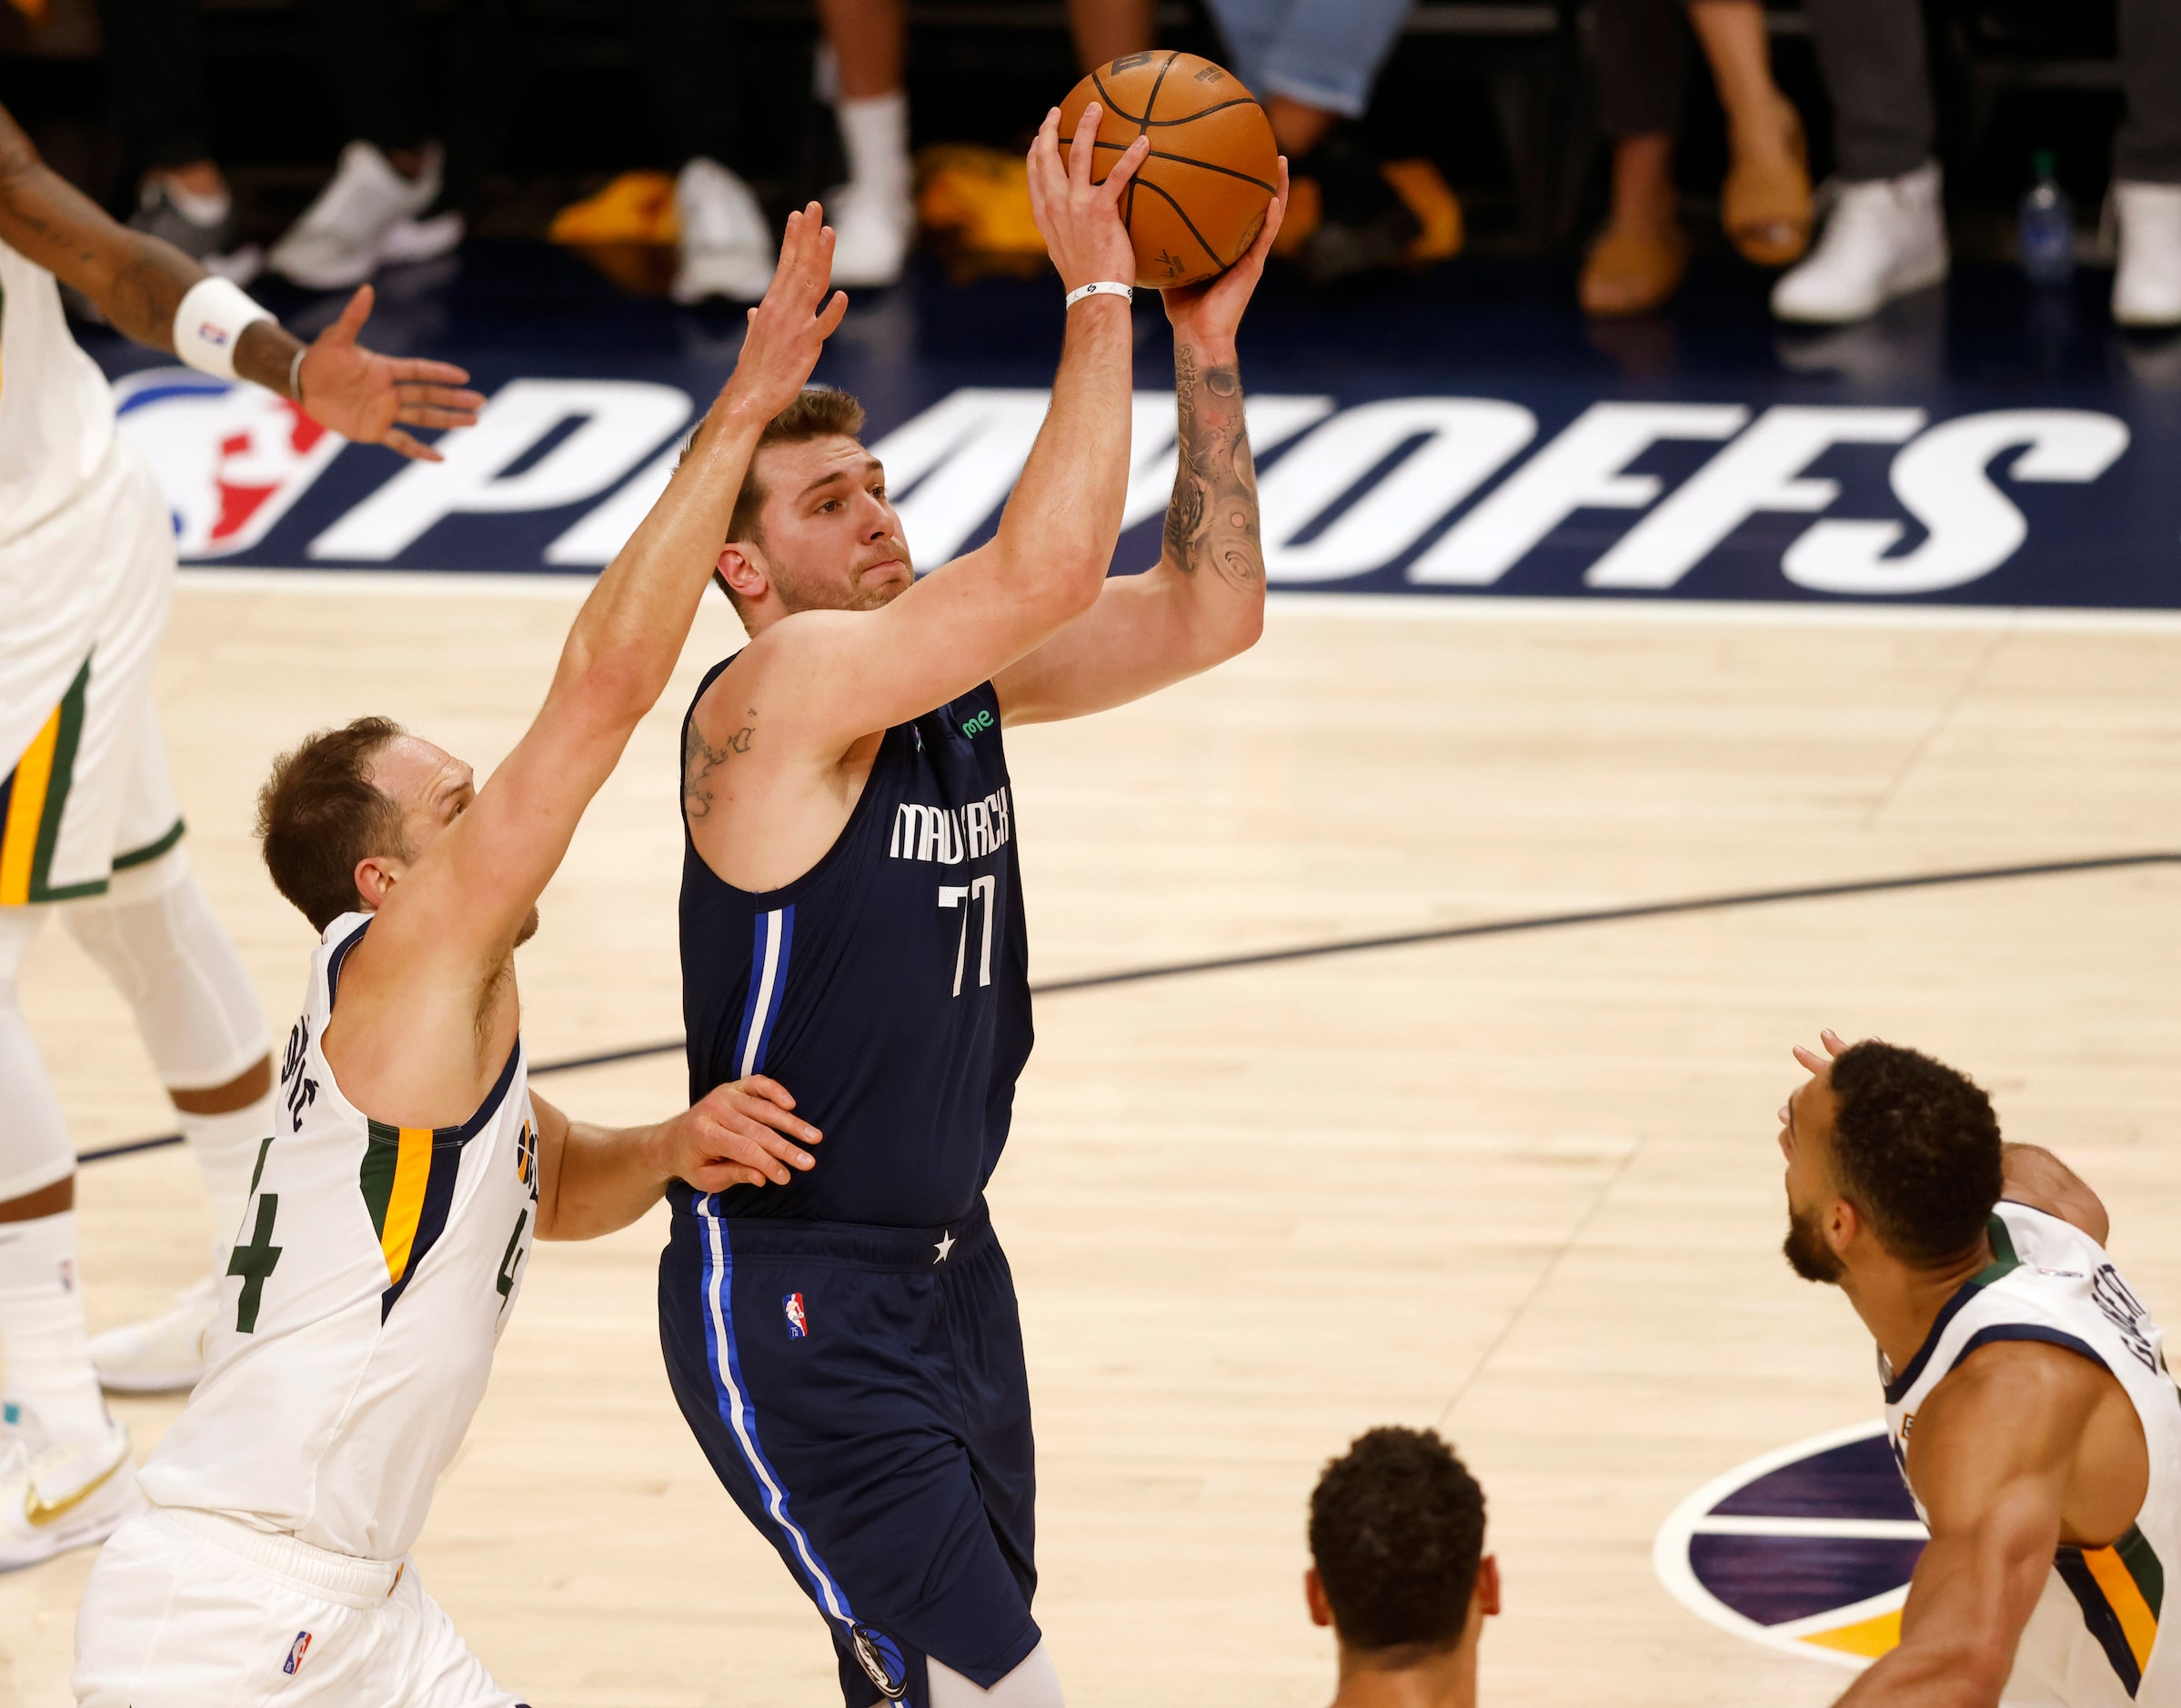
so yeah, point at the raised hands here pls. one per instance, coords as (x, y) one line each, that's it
(366, 396)
(1210, 313)
(1081, 221)
(791, 326)
(742, 1134)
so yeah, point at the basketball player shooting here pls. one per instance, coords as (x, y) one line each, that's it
(88, 824)
(408, 1168)
(847, 1348)
(2027, 1391)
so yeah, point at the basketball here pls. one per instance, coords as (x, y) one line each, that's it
(1199, 199)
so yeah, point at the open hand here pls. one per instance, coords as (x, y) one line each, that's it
(1210, 311)
(1081, 221)
(1835, 1049)
(741, 1134)
(366, 396)
(791, 326)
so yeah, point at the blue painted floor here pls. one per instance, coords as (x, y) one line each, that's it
(1461, 432)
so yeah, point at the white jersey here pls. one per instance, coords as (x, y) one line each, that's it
(372, 1272)
(56, 413)
(2094, 1640)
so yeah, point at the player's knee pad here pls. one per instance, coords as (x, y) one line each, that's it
(155, 934)
(1034, 1683)
(34, 1151)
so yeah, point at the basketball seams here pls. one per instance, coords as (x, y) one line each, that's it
(1181, 214)
(1184, 160)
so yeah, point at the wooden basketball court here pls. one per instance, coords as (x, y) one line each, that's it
(1522, 1186)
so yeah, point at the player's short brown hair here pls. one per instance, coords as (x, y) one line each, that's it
(1916, 1147)
(1396, 1533)
(320, 813)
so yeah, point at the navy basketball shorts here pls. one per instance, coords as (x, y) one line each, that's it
(860, 1392)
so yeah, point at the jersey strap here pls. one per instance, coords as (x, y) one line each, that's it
(2121, 1590)
(2003, 1263)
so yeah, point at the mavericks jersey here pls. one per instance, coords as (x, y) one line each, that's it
(56, 414)
(372, 1272)
(2096, 1638)
(887, 987)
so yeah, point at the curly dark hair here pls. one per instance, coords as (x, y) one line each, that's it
(1396, 1531)
(1916, 1147)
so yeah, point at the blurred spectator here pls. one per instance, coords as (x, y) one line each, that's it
(725, 243)
(1764, 206)
(1398, 1569)
(154, 52)
(1886, 235)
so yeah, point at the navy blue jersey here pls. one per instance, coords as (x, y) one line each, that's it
(888, 988)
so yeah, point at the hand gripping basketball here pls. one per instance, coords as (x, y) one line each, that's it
(1079, 220)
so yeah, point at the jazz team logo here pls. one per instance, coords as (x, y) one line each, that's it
(1808, 1548)
(231, 458)
(799, 1320)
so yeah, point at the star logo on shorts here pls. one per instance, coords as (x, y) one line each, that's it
(945, 1245)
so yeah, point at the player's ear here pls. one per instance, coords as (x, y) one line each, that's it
(375, 876)
(742, 567)
(1314, 1593)
(1488, 1586)
(1843, 1223)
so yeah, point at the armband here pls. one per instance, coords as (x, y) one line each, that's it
(1101, 288)
(210, 322)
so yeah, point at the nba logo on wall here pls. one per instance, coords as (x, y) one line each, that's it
(231, 458)
(296, 1650)
(799, 1322)
(1808, 1548)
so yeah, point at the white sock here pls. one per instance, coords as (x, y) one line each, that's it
(876, 134)
(226, 1149)
(41, 1333)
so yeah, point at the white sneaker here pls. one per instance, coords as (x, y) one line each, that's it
(872, 225)
(164, 1354)
(61, 1492)
(727, 249)
(2146, 284)
(341, 239)
(1885, 238)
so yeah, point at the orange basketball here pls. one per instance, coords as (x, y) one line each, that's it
(1199, 200)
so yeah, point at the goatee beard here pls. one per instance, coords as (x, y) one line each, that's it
(1807, 1253)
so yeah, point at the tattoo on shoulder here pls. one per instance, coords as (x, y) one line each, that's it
(701, 758)
(1213, 516)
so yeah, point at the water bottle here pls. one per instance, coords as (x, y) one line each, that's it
(2047, 225)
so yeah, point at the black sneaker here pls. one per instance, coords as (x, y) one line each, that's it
(1366, 228)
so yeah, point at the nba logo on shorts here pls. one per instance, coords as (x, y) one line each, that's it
(294, 1651)
(799, 1322)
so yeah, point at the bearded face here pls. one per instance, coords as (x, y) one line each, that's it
(1805, 1250)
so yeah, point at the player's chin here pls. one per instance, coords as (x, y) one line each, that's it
(883, 583)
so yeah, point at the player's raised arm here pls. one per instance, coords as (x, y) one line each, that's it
(1990, 1460)
(1204, 600)
(446, 919)
(161, 297)
(1056, 538)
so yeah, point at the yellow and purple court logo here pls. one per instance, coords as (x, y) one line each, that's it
(1808, 1548)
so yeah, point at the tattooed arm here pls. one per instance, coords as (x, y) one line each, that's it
(1204, 600)
(138, 281)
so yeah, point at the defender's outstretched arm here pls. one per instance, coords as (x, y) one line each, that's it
(978, 614)
(139, 283)
(1204, 600)
(462, 905)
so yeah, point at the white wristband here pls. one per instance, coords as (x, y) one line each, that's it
(209, 323)
(1101, 288)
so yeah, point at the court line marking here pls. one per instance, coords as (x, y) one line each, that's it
(1432, 934)
(572, 584)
